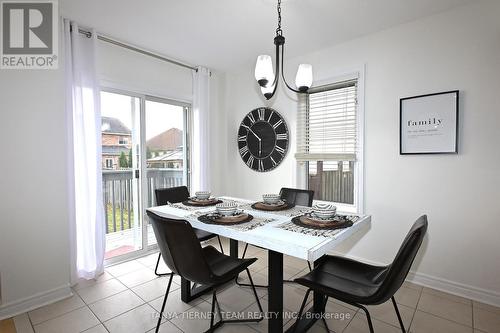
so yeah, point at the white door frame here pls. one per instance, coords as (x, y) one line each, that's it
(142, 188)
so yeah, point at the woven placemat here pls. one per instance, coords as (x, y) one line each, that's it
(180, 205)
(307, 221)
(307, 230)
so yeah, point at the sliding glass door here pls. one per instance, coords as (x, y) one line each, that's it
(166, 153)
(144, 147)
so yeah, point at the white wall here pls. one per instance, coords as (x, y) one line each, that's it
(34, 259)
(34, 247)
(453, 50)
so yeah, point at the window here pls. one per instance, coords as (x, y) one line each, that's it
(123, 141)
(109, 163)
(328, 142)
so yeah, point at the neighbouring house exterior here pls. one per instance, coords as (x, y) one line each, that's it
(170, 159)
(116, 139)
(165, 150)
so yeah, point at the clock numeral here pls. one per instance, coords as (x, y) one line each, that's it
(243, 151)
(261, 113)
(251, 118)
(250, 161)
(261, 165)
(242, 138)
(281, 136)
(274, 162)
(270, 116)
(279, 122)
(280, 150)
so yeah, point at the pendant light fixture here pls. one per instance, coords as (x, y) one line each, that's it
(265, 76)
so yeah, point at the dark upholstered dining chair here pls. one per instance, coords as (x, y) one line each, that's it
(294, 196)
(360, 284)
(297, 196)
(183, 254)
(175, 195)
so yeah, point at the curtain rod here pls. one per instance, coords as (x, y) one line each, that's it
(135, 49)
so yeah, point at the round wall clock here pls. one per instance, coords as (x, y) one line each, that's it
(263, 139)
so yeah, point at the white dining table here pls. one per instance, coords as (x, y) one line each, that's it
(277, 241)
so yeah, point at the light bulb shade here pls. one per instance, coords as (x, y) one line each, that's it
(304, 77)
(267, 91)
(264, 70)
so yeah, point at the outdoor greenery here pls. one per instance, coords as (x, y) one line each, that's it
(122, 160)
(126, 225)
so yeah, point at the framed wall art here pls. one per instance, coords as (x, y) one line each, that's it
(429, 124)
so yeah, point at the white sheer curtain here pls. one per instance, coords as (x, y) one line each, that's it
(87, 228)
(200, 168)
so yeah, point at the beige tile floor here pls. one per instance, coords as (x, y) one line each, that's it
(128, 296)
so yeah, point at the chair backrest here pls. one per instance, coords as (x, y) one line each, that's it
(181, 249)
(172, 195)
(398, 270)
(297, 196)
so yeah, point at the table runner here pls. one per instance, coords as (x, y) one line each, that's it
(290, 226)
(184, 207)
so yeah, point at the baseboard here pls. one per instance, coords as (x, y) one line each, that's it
(477, 294)
(30, 303)
(455, 288)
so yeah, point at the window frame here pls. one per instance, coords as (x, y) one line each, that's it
(359, 171)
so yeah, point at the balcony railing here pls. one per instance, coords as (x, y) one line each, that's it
(118, 193)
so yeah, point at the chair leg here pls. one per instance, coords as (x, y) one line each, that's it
(370, 325)
(299, 316)
(212, 317)
(222, 321)
(244, 251)
(323, 317)
(164, 302)
(156, 267)
(220, 244)
(246, 284)
(398, 314)
(255, 293)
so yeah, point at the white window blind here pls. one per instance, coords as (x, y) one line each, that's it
(327, 123)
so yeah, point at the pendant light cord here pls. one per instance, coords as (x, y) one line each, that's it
(279, 32)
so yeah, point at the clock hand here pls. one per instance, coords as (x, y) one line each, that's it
(250, 130)
(260, 148)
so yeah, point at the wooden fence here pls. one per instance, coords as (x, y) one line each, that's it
(333, 185)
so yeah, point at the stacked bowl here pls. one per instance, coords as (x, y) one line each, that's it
(324, 211)
(202, 195)
(226, 208)
(271, 199)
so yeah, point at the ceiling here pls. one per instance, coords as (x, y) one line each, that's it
(227, 34)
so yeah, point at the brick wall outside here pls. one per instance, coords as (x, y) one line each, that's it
(114, 139)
